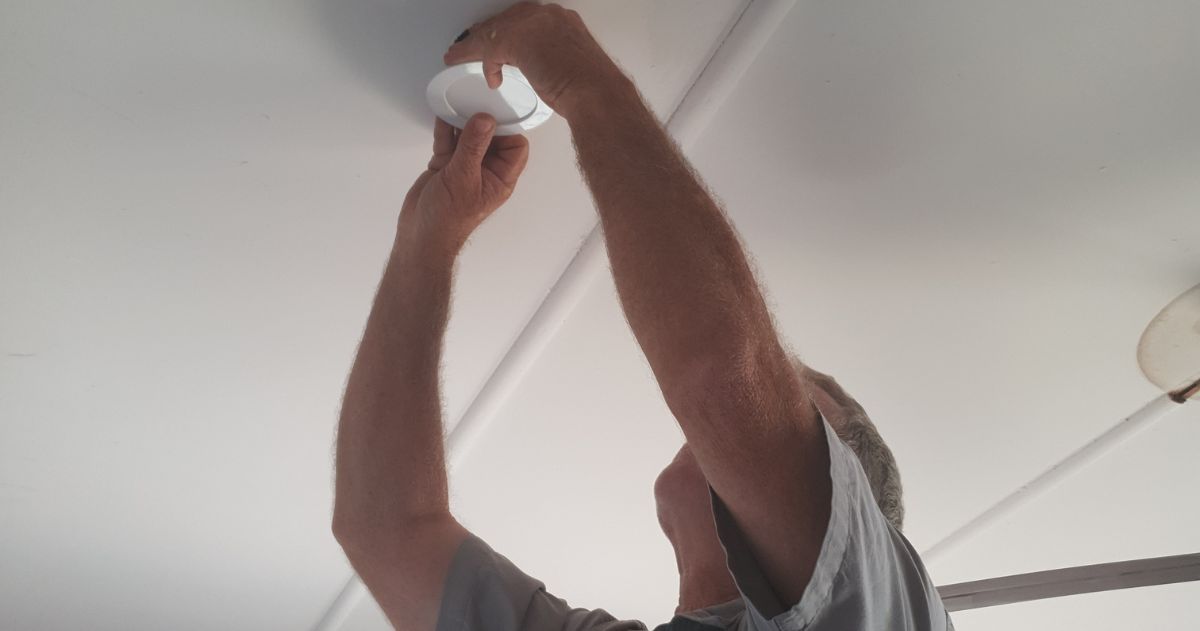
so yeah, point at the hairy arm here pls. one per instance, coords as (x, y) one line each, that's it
(390, 453)
(694, 306)
(684, 283)
(391, 510)
(390, 464)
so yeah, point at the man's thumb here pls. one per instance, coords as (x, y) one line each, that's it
(474, 141)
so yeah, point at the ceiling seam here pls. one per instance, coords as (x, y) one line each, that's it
(1072, 463)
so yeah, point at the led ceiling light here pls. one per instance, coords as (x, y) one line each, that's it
(458, 92)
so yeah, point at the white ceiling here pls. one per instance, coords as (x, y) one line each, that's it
(966, 212)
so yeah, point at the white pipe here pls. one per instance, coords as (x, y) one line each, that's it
(1080, 458)
(737, 50)
(343, 605)
(741, 45)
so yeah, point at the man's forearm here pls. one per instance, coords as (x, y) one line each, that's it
(390, 453)
(684, 282)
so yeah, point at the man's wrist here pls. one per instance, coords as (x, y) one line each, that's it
(412, 250)
(593, 96)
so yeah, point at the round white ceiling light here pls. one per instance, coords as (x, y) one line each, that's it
(460, 91)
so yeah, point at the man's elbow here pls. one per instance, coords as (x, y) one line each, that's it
(351, 534)
(361, 530)
(753, 381)
(374, 535)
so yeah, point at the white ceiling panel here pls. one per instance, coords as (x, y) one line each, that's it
(197, 202)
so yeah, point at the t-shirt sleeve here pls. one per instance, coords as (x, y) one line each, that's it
(868, 576)
(485, 591)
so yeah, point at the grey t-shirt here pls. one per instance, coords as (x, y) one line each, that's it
(868, 576)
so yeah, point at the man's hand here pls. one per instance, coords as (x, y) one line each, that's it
(550, 45)
(469, 176)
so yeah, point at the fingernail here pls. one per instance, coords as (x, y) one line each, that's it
(462, 36)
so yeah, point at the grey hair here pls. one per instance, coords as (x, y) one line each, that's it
(855, 428)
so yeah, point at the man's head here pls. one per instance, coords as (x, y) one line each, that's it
(681, 491)
(854, 427)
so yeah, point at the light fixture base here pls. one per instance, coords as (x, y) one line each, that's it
(1169, 351)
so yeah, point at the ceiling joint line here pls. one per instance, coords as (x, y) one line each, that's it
(1088, 453)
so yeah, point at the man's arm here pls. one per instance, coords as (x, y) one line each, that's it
(698, 313)
(391, 512)
(686, 288)
(389, 464)
(391, 507)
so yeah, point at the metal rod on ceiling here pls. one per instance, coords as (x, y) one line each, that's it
(738, 48)
(1085, 579)
(1080, 458)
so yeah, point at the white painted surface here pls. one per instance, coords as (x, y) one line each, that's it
(967, 213)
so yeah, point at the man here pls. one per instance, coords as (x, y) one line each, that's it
(773, 518)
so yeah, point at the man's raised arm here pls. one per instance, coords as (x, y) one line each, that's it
(391, 507)
(686, 287)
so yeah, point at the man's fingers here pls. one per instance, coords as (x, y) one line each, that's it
(443, 143)
(473, 143)
(471, 47)
(507, 158)
(504, 143)
(490, 55)
(443, 137)
(492, 73)
(485, 42)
